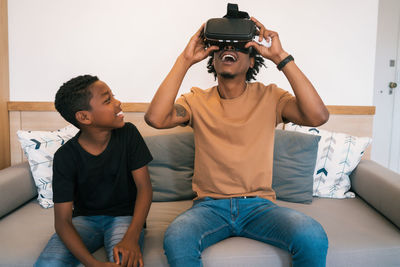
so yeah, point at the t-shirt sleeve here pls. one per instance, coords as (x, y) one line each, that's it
(139, 154)
(64, 176)
(183, 101)
(284, 97)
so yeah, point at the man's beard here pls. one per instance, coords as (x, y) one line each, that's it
(227, 75)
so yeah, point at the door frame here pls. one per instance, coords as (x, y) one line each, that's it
(394, 157)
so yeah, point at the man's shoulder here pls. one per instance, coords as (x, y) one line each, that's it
(197, 91)
(262, 90)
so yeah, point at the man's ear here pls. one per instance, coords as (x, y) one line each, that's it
(83, 117)
(252, 62)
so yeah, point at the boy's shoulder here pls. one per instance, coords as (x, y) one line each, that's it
(68, 148)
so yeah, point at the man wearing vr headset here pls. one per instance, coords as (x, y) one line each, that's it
(234, 125)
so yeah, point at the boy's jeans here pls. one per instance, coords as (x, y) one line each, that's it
(95, 231)
(210, 221)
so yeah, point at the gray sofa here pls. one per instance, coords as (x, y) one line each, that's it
(362, 231)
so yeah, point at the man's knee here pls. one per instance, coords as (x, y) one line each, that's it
(182, 238)
(311, 238)
(177, 235)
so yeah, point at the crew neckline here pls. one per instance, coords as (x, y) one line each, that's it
(245, 92)
(90, 154)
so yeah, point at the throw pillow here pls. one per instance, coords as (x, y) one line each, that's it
(171, 170)
(294, 163)
(39, 148)
(338, 155)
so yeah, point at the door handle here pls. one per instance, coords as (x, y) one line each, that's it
(392, 85)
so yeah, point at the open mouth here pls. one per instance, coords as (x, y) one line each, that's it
(229, 58)
(120, 114)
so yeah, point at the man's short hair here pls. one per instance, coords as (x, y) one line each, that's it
(74, 96)
(251, 73)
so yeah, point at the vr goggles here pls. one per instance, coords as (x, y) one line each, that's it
(235, 30)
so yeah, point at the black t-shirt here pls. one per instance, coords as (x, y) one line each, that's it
(102, 184)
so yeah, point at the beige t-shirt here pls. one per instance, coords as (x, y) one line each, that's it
(234, 140)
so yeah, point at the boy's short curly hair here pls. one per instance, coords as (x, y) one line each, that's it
(251, 73)
(74, 96)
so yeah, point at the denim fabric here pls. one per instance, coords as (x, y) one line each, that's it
(212, 220)
(95, 232)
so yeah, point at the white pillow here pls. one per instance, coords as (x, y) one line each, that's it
(39, 147)
(338, 155)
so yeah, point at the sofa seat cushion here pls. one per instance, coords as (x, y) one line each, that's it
(358, 236)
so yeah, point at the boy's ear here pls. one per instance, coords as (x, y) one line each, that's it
(83, 117)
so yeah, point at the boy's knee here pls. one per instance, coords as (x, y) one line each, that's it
(47, 262)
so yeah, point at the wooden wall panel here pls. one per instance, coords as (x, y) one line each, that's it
(142, 107)
(41, 116)
(15, 147)
(4, 88)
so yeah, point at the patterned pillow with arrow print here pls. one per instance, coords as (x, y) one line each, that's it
(338, 155)
(39, 148)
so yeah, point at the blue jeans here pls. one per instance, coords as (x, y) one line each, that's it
(212, 220)
(95, 232)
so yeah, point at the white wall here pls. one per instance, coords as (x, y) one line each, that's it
(131, 45)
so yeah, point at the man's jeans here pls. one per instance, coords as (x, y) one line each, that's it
(212, 220)
(95, 232)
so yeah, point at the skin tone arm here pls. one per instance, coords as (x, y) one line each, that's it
(308, 109)
(162, 112)
(68, 234)
(129, 246)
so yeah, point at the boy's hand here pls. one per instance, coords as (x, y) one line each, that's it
(196, 50)
(275, 52)
(131, 255)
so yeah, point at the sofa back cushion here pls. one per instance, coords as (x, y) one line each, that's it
(294, 163)
(171, 170)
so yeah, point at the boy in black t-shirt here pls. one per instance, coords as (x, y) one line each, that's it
(101, 185)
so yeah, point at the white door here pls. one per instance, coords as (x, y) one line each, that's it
(386, 136)
(394, 162)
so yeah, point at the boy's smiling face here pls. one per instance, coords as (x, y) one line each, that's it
(106, 111)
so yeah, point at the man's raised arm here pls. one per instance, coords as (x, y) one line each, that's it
(163, 112)
(308, 109)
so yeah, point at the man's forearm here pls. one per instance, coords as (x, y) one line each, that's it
(162, 105)
(308, 101)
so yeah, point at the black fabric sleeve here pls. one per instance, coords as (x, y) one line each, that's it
(64, 176)
(139, 153)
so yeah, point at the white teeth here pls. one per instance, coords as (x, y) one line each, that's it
(120, 113)
(228, 56)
